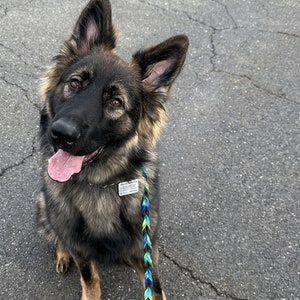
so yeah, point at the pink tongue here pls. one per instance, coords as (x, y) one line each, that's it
(62, 165)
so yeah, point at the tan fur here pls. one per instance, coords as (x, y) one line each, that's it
(67, 55)
(62, 260)
(91, 289)
(149, 130)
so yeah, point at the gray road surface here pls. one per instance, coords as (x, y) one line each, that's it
(229, 156)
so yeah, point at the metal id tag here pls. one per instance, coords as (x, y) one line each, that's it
(128, 187)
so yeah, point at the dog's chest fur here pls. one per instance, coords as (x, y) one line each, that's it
(101, 208)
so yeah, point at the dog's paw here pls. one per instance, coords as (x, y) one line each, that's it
(62, 265)
(62, 260)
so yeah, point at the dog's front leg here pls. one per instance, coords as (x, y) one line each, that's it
(89, 278)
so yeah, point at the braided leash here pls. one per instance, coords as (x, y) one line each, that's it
(145, 208)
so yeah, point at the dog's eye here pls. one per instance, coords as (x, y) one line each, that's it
(116, 102)
(75, 84)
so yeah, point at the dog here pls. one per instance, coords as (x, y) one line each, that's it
(99, 125)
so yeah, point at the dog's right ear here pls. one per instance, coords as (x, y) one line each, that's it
(94, 27)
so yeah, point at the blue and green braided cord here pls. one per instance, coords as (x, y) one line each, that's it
(146, 227)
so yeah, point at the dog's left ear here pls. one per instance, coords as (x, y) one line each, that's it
(94, 27)
(161, 64)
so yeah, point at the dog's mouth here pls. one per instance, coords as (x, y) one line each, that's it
(63, 165)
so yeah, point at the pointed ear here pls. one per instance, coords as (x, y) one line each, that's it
(94, 27)
(161, 64)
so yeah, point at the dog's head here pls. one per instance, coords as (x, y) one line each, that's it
(95, 100)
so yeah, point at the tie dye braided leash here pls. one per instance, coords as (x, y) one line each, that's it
(145, 207)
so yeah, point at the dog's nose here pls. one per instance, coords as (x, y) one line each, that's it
(65, 131)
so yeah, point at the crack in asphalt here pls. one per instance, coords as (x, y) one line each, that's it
(198, 21)
(214, 30)
(291, 35)
(19, 56)
(287, 34)
(152, 4)
(23, 160)
(13, 52)
(36, 106)
(6, 10)
(189, 272)
(187, 14)
(15, 85)
(256, 85)
(227, 12)
(213, 50)
(23, 90)
(252, 81)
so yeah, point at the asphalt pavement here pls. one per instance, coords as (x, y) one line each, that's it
(229, 157)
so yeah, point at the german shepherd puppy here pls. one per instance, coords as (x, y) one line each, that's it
(99, 125)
